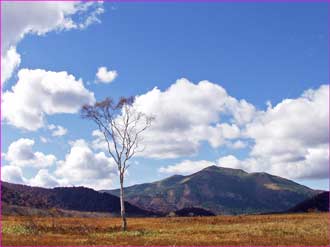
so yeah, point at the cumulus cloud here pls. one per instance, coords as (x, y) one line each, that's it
(57, 130)
(229, 161)
(82, 166)
(20, 153)
(104, 75)
(292, 137)
(186, 167)
(290, 140)
(12, 174)
(298, 122)
(44, 179)
(42, 18)
(39, 92)
(9, 62)
(187, 114)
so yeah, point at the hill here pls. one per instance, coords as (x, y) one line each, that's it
(318, 203)
(14, 210)
(67, 198)
(220, 190)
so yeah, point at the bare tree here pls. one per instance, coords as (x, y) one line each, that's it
(122, 127)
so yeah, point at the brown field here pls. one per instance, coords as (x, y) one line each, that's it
(290, 229)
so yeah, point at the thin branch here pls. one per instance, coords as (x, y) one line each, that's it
(120, 124)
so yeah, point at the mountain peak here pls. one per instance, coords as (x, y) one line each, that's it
(211, 168)
(221, 190)
(226, 170)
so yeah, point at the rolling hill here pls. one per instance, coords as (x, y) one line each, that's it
(67, 198)
(319, 203)
(220, 190)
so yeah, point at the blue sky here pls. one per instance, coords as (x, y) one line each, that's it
(259, 52)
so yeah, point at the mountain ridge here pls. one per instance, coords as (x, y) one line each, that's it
(68, 198)
(220, 190)
(216, 189)
(318, 203)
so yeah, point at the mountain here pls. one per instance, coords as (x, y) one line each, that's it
(220, 190)
(67, 198)
(319, 203)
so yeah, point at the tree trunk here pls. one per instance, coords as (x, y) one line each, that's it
(122, 204)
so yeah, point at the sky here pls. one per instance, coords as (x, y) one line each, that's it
(238, 85)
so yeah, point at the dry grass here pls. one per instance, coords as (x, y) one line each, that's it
(291, 229)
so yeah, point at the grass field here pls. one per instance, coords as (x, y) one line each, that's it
(290, 229)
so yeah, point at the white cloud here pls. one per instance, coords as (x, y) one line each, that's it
(81, 166)
(44, 179)
(39, 92)
(9, 62)
(57, 130)
(20, 153)
(42, 17)
(187, 114)
(239, 144)
(43, 139)
(12, 174)
(242, 111)
(93, 16)
(292, 137)
(290, 140)
(229, 161)
(98, 142)
(221, 132)
(106, 76)
(186, 167)
(84, 167)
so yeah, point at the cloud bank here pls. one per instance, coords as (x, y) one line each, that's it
(289, 139)
(22, 18)
(38, 93)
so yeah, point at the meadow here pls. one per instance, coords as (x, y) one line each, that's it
(285, 229)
